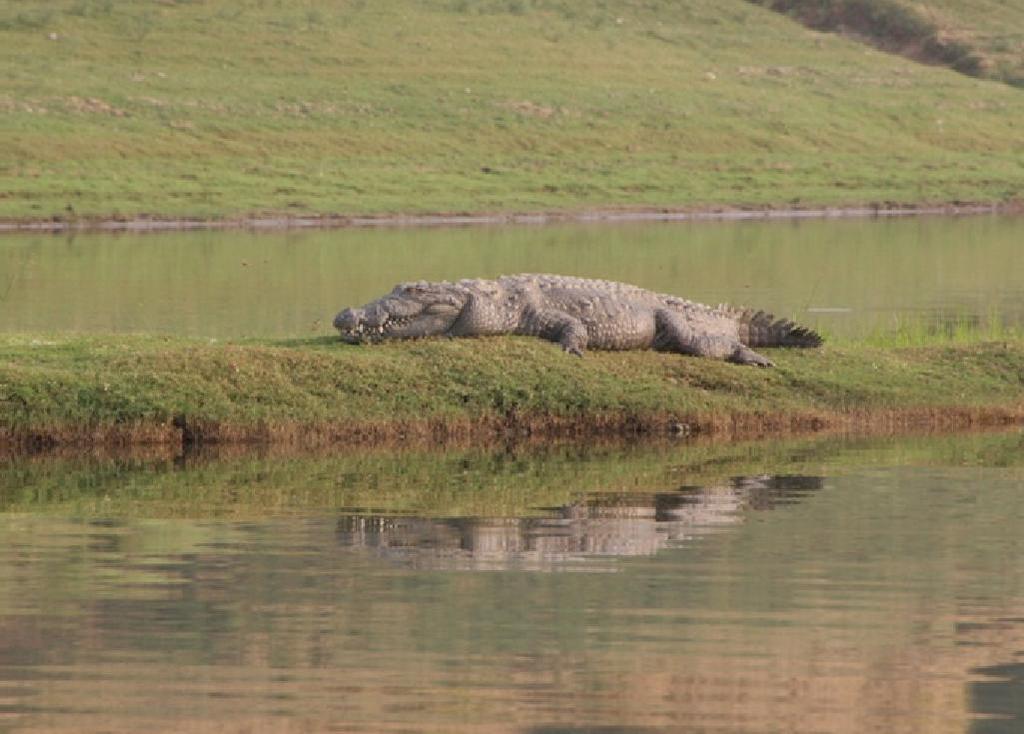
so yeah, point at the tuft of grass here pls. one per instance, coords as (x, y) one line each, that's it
(958, 330)
(28, 19)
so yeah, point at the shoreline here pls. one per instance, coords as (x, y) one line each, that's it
(599, 215)
(957, 424)
(135, 391)
(182, 436)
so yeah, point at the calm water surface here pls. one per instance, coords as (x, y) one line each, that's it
(846, 276)
(826, 586)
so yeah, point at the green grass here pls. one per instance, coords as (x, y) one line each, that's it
(224, 109)
(994, 29)
(66, 388)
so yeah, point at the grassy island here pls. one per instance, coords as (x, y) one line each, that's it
(234, 109)
(94, 390)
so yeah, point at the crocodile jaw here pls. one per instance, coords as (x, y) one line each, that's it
(369, 325)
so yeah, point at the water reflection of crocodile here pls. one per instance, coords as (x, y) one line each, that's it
(600, 526)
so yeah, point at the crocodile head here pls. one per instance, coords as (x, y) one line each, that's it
(410, 311)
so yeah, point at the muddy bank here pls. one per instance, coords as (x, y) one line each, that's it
(609, 215)
(183, 436)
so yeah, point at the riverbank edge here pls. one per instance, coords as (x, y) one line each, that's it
(127, 391)
(599, 215)
(184, 434)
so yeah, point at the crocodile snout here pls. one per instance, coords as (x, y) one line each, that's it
(347, 320)
(352, 324)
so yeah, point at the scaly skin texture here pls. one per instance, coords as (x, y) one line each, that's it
(575, 312)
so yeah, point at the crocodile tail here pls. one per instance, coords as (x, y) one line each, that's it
(760, 329)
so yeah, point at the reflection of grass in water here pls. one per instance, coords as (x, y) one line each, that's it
(507, 483)
(859, 581)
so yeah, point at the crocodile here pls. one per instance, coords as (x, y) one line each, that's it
(577, 313)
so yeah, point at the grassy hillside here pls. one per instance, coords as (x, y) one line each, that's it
(983, 38)
(221, 108)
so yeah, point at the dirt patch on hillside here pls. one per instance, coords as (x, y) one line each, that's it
(892, 26)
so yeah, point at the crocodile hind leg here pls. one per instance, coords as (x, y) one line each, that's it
(742, 354)
(674, 333)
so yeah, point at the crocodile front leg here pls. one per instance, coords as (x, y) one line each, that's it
(674, 333)
(481, 317)
(556, 326)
